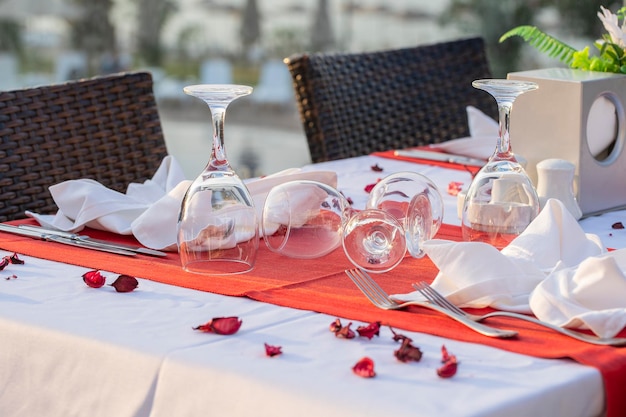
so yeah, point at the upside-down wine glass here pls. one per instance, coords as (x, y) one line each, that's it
(501, 200)
(308, 219)
(217, 226)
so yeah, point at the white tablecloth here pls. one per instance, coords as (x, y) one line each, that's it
(70, 350)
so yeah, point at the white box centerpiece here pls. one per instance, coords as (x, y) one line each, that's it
(577, 116)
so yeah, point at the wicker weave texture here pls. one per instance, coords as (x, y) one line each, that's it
(355, 104)
(104, 128)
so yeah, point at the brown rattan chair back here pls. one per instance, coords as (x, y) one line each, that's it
(355, 104)
(104, 128)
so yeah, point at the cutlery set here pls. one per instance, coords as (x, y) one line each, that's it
(82, 241)
(436, 301)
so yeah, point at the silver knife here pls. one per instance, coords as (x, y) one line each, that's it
(440, 156)
(66, 241)
(85, 238)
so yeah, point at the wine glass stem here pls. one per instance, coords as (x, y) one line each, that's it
(504, 142)
(218, 158)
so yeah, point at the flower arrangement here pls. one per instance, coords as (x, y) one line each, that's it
(612, 46)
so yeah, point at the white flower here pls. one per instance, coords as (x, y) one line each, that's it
(611, 24)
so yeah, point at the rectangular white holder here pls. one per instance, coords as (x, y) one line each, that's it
(553, 122)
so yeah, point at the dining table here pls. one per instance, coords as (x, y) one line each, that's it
(68, 349)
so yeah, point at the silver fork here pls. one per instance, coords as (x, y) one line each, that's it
(439, 300)
(380, 299)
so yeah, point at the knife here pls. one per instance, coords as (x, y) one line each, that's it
(440, 156)
(66, 241)
(85, 238)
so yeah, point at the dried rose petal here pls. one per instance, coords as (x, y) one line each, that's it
(369, 331)
(11, 277)
(454, 187)
(221, 325)
(445, 356)
(397, 337)
(448, 369)
(376, 168)
(407, 352)
(4, 262)
(346, 332)
(14, 259)
(364, 368)
(94, 279)
(272, 351)
(618, 225)
(335, 326)
(125, 283)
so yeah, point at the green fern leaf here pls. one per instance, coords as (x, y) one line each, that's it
(542, 42)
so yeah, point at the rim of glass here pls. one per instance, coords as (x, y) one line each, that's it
(501, 82)
(217, 88)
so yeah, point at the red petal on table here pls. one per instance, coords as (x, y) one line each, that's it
(376, 168)
(364, 368)
(125, 283)
(4, 262)
(335, 326)
(14, 259)
(407, 352)
(346, 332)
(448, 369)
(445, 356)
(369, 331)
(94, 279)
(454, 187)
(618, 225)
(272, 350)
(221, 325)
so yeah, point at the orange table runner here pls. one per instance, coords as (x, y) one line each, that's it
(322, 286)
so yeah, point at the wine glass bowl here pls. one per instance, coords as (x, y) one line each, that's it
(303, 219)
(217, 225)
(415, 201)
(501, 201)
(374, 240)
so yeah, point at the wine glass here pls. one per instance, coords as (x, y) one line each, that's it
(217, 226)
(501, 201)
(415, 201)
(307, 219)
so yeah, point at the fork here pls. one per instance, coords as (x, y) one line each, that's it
(439, 300)
(381, 299)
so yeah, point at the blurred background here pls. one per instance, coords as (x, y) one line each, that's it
(244, 41)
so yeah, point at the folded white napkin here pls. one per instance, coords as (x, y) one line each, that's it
(476, 274)
(482, 140)
(591, 295)
(87, 203)
(149, 211)
(553, 269)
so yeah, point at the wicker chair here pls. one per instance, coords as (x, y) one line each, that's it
(105, 128)
(355, 104)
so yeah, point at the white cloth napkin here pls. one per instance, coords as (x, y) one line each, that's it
(149, 211)
(87, 203)
(482, 140)
(591, 295)
(553, 269)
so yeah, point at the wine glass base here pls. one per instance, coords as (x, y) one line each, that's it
(218, 267)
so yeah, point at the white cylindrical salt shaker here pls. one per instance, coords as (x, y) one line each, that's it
(555, 179)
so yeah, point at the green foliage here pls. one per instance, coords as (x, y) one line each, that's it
(543, 42)
(611, 58)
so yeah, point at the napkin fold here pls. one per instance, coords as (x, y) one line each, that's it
(147, 210)
(591, 295)
(482, 140)
(553, 270)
